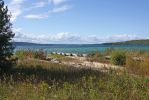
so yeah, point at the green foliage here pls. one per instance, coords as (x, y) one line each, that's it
(6, 35)
(118, 58)
(37, 54)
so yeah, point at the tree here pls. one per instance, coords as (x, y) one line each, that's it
(6, 35)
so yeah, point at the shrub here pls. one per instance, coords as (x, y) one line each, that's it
(118, 58)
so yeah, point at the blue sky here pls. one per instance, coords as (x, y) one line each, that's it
(79, 21)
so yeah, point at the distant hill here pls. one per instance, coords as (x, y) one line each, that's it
(24, 43)
(55, 45)
(132, 42)
(31, 44)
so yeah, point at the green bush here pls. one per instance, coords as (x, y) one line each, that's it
(118, 58)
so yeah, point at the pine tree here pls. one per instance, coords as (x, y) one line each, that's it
(6, 35)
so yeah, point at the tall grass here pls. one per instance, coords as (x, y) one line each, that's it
(135, 61)
(33, 79)
(24, 54)
(37, 80)
(96, 57)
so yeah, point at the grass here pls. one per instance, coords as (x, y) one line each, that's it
(97, 57)
(37, 80)
(33, 79)
(87, 88)
(139, 66)
(25, 54)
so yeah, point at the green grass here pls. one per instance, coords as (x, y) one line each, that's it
(37, 80)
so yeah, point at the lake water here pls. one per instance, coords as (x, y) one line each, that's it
(79, 49)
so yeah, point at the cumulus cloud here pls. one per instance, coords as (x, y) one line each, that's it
(45, 38)
(121, 37)
(17, 30)
(66, 37)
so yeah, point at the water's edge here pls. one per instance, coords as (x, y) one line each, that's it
(79, 49)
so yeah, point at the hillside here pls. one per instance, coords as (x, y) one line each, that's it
(132, 42)
(24, 43)
(55, 45)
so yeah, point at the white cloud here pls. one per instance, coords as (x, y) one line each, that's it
(45, 38)
(15, 8)
(121, 37)
(18, 7)
(37, 5)
(16, 2)
(57, 2)
(17, 30)
(36, 16)
(66, 37)
(61, 8)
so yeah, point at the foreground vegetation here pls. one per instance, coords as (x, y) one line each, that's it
(36, 79)
(134, 61)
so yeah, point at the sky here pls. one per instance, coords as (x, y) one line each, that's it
(79, 21)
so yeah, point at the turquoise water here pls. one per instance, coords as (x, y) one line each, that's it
(79, 49)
